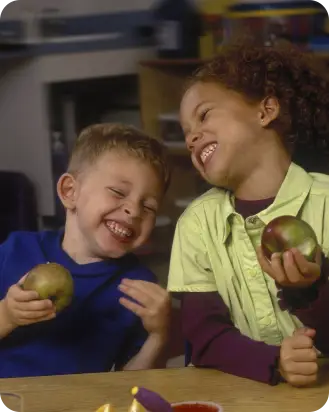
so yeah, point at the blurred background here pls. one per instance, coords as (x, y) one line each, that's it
(65, 64)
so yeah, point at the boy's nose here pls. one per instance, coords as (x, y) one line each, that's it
(132, 210)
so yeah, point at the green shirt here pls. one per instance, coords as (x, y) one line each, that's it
(214, 250)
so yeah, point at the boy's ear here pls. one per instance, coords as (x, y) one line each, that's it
(269, 111)
(67, 190)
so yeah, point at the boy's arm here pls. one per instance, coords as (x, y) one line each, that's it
(216, 343)
(149, 355)
(5, 326)
(142, 351)
(151, 304)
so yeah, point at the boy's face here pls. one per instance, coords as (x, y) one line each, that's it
(115, 204)
(222, 132)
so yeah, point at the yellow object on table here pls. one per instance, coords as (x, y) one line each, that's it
(106, 408)
(136, 407)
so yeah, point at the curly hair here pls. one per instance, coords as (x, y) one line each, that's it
(298, 80)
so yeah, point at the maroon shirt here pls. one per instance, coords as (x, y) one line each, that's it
(217, 343)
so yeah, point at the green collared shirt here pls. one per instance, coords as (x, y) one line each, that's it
(214, 250)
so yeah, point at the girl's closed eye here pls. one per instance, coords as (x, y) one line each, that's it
(203, 114)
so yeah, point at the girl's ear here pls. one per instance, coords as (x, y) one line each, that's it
(269, 111)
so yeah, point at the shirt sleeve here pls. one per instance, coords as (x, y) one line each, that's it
(216, 343)
(2, 260)
(190, 269)
(311, 306)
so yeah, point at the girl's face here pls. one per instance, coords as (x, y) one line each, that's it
(223, 132)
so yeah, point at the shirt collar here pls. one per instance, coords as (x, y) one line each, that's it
(288, 201)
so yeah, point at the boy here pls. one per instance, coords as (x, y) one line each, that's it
(116, 179)
(241, 113)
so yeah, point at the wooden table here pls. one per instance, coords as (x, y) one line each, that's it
(85, 393)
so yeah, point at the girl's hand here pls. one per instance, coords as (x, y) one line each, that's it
(292, 269)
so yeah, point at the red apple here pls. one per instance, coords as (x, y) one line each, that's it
(286, 232)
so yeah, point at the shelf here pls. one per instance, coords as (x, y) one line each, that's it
(172, 62)
(199, 61)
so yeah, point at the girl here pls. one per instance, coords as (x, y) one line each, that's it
(242, 113)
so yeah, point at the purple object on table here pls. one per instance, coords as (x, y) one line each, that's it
(150, 400)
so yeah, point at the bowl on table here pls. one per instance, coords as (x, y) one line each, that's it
(197, 406)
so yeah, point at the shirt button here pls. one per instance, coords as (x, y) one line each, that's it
(253, 272)
(253, 220)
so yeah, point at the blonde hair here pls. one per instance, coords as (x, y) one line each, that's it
(98, 139)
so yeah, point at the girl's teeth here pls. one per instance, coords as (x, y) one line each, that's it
(119, 229)
(207, 151)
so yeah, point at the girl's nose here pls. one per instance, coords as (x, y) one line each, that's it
(195, 137)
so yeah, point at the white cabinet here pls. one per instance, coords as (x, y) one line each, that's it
(73, 7)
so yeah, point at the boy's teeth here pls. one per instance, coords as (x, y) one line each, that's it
(119, 229)
(207, 151)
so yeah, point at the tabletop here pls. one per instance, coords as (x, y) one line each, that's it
(87, 392)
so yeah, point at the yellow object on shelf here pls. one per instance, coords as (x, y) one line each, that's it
(212, 12)
(270, 13)
(296, 22)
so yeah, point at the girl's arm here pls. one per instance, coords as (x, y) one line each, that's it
(311, 306)
(216, 343)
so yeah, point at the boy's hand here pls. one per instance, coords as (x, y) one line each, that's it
(298, 358)
(152, 304)
(293, 270)
(24, 307)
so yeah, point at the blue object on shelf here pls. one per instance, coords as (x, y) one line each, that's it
(319, 44)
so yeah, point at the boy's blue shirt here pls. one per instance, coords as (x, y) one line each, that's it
(92, 335)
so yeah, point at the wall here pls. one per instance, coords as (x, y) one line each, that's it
(24, 146)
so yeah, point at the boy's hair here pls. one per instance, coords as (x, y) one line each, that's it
(298, 80)
(98, 139)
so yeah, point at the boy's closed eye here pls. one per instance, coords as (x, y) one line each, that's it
(149, 208)
(117, 192)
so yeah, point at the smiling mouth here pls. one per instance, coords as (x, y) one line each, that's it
(207, 152)
(119, 231)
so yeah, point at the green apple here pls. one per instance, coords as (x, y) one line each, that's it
(51, 281)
